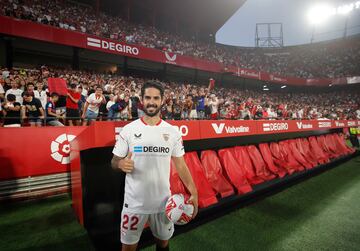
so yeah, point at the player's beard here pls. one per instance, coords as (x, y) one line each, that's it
(154, 113)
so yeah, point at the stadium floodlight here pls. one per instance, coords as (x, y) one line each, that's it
(320, 13)
(284, 86)
(345, 9)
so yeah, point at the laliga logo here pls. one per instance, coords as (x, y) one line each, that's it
(60, 148)
(170, 60)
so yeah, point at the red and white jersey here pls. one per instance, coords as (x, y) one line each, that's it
(147, 187)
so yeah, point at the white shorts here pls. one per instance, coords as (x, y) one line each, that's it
(133, 224)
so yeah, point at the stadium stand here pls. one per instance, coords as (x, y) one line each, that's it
(322, 60)
(183, 100)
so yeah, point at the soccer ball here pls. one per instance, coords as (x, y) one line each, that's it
(178, 210)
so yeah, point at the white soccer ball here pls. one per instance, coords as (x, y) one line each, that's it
(178, 210)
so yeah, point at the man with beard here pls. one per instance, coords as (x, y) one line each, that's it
(144, 151)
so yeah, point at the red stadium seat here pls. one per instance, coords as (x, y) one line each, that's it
(340, 140)
(297, 154)
(243, 159)
(233, 171)
(291, 161)
(330, 141)
(325, 146)
(259, 164)
(176, 185)
(304, 148)
(268, 158)
(321, 156)
(280, 158)
(207, 195)
(214, 173)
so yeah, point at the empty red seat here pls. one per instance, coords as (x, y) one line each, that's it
(268, 158)
(243, 159)
(259, 164)
(176, 185)
(325, 146)
(214, 173)
(321, 156)
(341, 144)
(329, 138)
(297, 154)
(233, 171)
(206, 194)
(280, 158)
(291, 161)
(304, 148)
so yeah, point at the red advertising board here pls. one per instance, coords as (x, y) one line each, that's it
(35, 151)
(46, 150)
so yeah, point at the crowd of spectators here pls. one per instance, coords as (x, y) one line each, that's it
(26, 100)
(328, 60)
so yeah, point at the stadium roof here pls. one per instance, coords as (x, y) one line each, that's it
(194, 16)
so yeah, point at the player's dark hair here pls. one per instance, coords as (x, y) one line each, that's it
(152, 84)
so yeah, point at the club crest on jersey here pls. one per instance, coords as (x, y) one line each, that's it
(137, 136)
(166, 136)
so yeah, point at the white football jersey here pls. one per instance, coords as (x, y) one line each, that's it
(147, 187)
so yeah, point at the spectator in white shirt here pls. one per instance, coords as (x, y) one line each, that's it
(40, 94)
(16, 91)
(92, 104)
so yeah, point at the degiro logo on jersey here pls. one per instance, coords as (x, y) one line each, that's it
(151, 149)
(229, 129)
(60, 148)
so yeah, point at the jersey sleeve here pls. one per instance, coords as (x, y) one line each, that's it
(178, 149)
(121, 147)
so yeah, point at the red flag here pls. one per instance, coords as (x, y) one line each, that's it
(211, 84)
(57, 85)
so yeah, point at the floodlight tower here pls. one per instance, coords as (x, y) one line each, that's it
(272, 38)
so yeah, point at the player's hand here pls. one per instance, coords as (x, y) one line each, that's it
(127, 164)
(194, 200)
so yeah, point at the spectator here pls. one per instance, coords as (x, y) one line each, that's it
(93, 102)
(40, 93)
(72, 107)
(135, 102)
(32, 109)
(214, 106)
(177, 109)
(16, 91)
(12, 112)
(52, 118)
